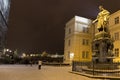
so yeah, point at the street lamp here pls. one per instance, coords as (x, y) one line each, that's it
(23, 55)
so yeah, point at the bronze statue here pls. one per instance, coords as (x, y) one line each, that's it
(102, 19)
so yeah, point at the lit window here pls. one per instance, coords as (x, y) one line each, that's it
(116, 20)
(116, 36)
(71, 56)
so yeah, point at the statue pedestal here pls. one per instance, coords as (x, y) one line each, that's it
(102, 48)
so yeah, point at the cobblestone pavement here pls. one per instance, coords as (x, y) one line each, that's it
(23, 72)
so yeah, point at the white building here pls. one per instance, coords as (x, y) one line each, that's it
(77, 40)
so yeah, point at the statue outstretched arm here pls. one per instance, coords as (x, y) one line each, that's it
(95, 21)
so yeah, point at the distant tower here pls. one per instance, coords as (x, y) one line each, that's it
(4, 13)
(78, 40)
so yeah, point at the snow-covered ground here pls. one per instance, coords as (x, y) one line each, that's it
(23, 72)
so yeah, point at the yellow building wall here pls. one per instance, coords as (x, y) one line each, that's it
(113, 28)
(79, 47)
(76, 38)
(68, 49)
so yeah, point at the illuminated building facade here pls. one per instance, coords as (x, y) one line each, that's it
(4, 13)
(77, 40)
(79, 33)
(114, 27)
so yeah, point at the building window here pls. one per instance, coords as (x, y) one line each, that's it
(116, 20)
(69, 42)
(117, 52)
(116, 36)
(85, 54)
(85, 30)
(85, 42)
(69, 31)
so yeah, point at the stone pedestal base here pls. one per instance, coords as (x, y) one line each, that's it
(102, 48)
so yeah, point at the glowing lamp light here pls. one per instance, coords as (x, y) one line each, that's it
(7, 50)
(23, 55)
(31, 54)
(10, 51)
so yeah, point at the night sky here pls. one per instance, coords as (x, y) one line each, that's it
(38, 25)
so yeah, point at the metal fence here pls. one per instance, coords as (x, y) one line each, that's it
(97, 69)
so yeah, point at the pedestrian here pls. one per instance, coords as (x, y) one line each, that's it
(39, 64)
